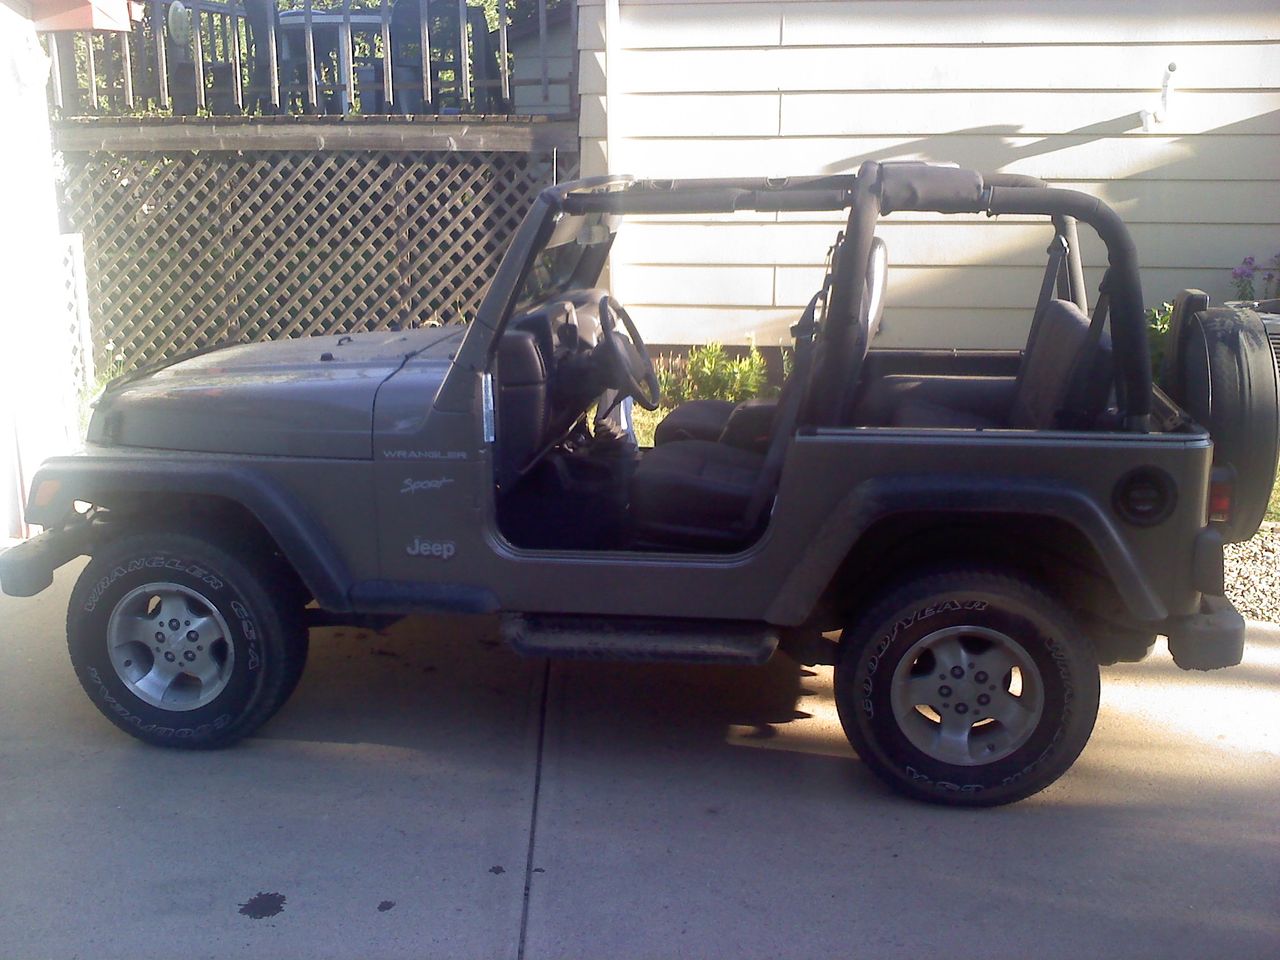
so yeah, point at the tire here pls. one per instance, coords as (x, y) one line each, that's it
(897, 679)
(1226, 380)
(225, 650)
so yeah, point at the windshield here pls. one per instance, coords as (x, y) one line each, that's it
(572, 257)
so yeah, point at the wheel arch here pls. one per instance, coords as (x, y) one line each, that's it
(224, 498)
(886, 525)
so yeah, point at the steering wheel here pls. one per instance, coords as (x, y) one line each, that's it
(627, 359)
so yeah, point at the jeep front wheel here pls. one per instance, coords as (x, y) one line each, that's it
(967, 688)
(181, 642)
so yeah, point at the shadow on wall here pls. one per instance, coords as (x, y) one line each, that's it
(1219, 194)
(1006, 148)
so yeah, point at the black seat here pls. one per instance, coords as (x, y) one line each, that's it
(694, 493)
(702, 493)
(707, 419)
(694, 420)
(1058, 349)
(523, 412)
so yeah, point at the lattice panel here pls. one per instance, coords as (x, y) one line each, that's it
(75, 304)
(187, 250)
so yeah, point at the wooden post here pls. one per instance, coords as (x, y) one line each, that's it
(310, 86)
(346, 57)
(273, 55)
(55, 69)
(542, 50)
(91, 68)
(126, 69)
(388, 87)
(162, 57)
(197, 52)
(462, 69)
(237, 80)
(504, 65)
(424, 31)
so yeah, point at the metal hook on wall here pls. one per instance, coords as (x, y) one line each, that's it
(1152, 117)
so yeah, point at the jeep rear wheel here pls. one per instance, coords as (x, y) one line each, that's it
(182, 643)
(967, 688)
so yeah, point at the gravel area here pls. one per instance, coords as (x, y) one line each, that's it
(1253, 575)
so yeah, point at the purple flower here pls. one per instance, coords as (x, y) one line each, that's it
(1248, 262)
(1241, 273)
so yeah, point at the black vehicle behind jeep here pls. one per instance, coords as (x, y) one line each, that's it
(980, 529)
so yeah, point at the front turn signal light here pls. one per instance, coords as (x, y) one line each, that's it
(45, 492)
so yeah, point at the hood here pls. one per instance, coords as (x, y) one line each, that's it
(311, 397)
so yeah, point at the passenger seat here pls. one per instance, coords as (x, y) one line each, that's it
(1056, 348)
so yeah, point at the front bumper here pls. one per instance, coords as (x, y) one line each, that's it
(28, 568)
(1207, 640)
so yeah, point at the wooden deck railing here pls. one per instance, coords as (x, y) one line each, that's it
(318, 57)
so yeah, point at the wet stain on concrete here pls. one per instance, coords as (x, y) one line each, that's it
(496, 869)
(263, 905)
(386, 905)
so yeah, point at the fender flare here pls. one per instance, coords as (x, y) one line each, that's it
(299, 536)
(878, 499)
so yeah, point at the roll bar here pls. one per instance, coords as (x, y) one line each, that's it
(882, 188)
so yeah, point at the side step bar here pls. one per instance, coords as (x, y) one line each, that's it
(640, 638)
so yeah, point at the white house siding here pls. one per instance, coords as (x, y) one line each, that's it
(1052, 89)
(37, 398)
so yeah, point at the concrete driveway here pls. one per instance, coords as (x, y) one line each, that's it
(428, 794)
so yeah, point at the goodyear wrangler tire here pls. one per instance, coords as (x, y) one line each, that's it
(181, 643)
(968, 688)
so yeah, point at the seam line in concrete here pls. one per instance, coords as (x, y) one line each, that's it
(533, 812)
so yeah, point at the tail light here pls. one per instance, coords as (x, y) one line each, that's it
(1221, 492)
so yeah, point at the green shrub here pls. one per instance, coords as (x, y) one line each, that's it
(709, 373)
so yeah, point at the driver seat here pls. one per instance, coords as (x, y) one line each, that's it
(710, 495)
(694, 493)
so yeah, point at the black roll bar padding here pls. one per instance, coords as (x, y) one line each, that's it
(1128, 320)
(921, 186)
(832, 376)
(1066, 227)
(707, 200)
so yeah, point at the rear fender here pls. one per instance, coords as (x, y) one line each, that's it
(883, 498)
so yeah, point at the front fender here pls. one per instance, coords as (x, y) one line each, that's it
(62, 481)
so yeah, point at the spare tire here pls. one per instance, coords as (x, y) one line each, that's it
(1226, 380)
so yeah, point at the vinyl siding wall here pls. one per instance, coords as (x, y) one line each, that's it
(1055, 90)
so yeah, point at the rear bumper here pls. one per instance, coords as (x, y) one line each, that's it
(28, 568)
(1207, 640)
